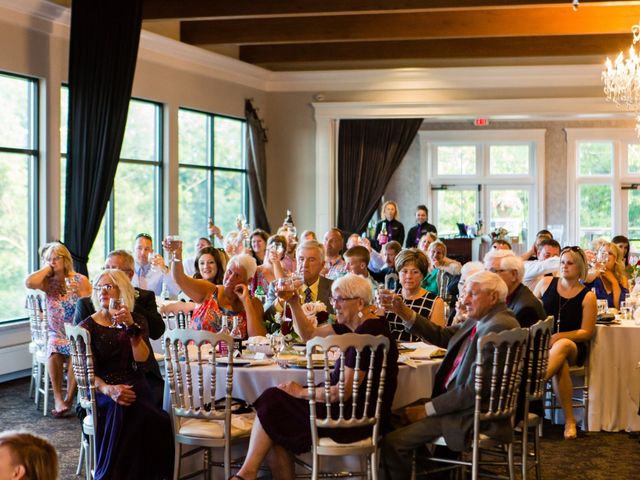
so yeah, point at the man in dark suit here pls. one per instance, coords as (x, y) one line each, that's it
(449, 413)
(525, 305)
(145, 305)
(316, 288)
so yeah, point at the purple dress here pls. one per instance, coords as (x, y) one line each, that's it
(286, 418)
(136, 441)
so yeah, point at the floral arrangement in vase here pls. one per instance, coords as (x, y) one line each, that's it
(499, 233)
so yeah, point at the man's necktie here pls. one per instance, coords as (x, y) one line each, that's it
(308, 298)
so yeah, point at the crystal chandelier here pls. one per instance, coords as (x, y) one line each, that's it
(622, 79)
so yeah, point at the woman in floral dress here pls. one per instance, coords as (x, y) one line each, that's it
(62, 287)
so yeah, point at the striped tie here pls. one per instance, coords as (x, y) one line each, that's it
(308, 298)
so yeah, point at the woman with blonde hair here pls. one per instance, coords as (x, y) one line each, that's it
(62, 287)
(610, 280)
(389, 228)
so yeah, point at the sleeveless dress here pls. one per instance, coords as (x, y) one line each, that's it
(601, 292)
(567, 314)
(207, 316)
(136, 441)
(422, 306)
(61, 306)
(286, 418)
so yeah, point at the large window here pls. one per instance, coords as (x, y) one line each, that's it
(213, 175)
(136, 199)
(490, 176)
(603, 173)
(18, 195)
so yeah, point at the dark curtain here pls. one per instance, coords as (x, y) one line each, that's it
(256, 137)
(102, 61)
(369, 151)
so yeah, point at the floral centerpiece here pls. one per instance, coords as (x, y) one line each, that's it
(316, 312)
(633, 269)
(499, 233)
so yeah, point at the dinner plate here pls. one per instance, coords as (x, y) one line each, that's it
(238, 362)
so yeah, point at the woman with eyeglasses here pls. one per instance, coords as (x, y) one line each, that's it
(573, 307)
(62, 287)
(609, 279)
(134, 438)
(232, 297)
(412, 266)
(281, 429)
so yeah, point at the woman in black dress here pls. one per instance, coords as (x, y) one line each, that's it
(134, 438)
(282, 427)
(574, 309)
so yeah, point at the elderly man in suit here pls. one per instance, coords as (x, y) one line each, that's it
(145, 305)
(316, 288)
(525, 305)
(449, 413)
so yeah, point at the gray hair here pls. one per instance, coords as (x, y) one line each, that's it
(438, 243)
(126, 257)
(470, 268)
(311, 244)
(513, 262)
(493, 254)
(244, 261)
(354, 286)
(490, 282)
(121, 281)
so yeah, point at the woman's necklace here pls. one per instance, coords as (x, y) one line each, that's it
(562, 302)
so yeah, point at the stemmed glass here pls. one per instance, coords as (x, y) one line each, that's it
(71, 284)
(602, 257)
(115, 305)
(173, 242)
(151, 256)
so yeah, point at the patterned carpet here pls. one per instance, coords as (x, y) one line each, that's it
(592, 456)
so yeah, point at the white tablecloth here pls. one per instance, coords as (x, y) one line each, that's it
(614, 378)
(250, 382)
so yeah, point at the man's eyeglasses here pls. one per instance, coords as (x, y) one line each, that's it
(335, 300)
(107, 286)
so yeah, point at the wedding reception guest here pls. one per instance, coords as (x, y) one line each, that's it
(376, 259)
(258, 241)
(334, 265)
(449, 412)
(573, 307)
(150, 272)
(547, 263)
(458, 313)
(315, 288)
(231, 298)
(412, 265)
(62, 287)
(190, 262)
(356, 261)
(272, 267)
(389, 252)
(25, 456)
(441, 269)
(289, 260)
(127, 415)
(210, 265)
(610, 281)
(145, 305)
(215, 232)
(281, 429)
(233, 244)
(426, 240)
(389, 228)
(532, 253)
(308, 235)
(422, 227)
(623, 244)
(520, 299)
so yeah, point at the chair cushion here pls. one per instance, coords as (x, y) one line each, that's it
(198, 427)
(329, 442)
(88, 421)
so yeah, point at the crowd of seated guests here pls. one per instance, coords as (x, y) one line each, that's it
(436, 299)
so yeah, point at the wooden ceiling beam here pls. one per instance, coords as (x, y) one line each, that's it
(440, 48)
(508, 22)
(203, 9)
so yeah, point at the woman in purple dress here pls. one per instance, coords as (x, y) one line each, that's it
(134, 438)
(282, 427)
(62, 287)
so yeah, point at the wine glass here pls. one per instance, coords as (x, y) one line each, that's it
(602, 257)
(71, 284)
(277, 344)
(151, 257)
(173, 242)
(285, 290)
(115, 305)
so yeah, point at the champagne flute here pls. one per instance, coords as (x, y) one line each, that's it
(115, 305)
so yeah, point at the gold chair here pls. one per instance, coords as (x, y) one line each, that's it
(198, 420)
(362, 413)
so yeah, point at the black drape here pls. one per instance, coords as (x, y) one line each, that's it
(369, 151)
(102, 60)
(256, 137)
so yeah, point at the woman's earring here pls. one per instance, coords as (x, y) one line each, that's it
(360, 314)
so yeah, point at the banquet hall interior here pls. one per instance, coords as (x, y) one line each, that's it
(251, 110)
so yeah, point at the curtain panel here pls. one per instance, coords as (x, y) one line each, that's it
(102, 60)
(369, 151)
(256, 138)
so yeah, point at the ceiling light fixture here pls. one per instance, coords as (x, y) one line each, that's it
(622, 79)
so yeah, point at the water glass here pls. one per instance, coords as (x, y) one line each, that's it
(602, 306)
(115, 305)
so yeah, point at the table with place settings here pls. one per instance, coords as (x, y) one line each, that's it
(614, 378)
